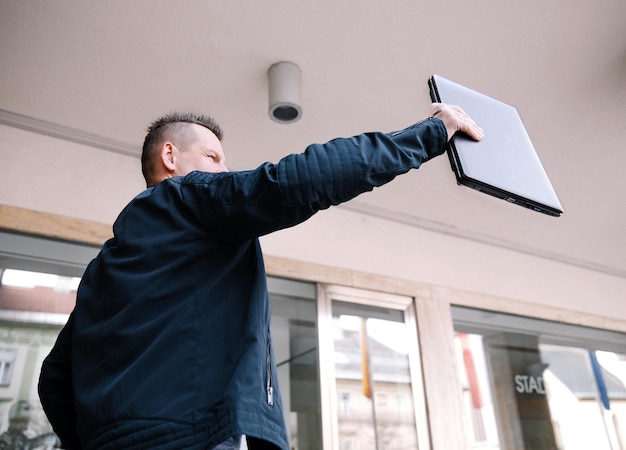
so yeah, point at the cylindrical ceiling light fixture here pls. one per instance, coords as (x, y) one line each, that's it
(284, 97)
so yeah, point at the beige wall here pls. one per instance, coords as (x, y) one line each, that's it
(348, 240)
(80, 181)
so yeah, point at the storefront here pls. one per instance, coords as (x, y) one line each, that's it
(366, 362)
(539, 384)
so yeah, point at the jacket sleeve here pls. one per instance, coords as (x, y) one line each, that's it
(55, 389)
(242, 205)
(335, 172)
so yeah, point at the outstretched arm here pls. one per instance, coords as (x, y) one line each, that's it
(237, 206)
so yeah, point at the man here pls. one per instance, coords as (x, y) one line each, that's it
(169, 345)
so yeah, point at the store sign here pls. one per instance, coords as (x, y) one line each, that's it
(525, 384)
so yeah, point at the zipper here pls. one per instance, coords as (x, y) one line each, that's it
(270, 387)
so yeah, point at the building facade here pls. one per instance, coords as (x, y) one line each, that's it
(365, 360)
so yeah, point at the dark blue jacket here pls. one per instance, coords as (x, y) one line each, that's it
(168, 346)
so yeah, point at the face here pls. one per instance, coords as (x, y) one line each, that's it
(205, 154)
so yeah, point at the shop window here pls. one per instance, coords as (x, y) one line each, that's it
(533, 384)
(23, 346)
(27, 330)
(294, 335)
(38, 291)
(372, 393)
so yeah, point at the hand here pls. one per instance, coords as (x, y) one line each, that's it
(455, 119)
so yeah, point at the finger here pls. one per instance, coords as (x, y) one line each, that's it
(468, 125)
(472, 129)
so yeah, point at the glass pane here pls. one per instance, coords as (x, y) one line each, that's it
(294, 336)
(533, 384)
(587, 403)
(373, 380)
(26, 337)
(23, 346)
(23, 423)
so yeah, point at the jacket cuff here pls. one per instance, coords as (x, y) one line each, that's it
(429, 134)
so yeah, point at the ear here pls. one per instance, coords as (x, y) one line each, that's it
(168, 157)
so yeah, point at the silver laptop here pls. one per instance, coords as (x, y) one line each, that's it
(504, 164)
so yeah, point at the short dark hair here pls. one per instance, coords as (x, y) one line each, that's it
(172, 127)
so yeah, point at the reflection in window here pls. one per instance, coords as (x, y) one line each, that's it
(344, 404)
(373, 380)
(22, 349)
(532, 384)
(294, 335)
(480, 415)
(33, 307)
(30, 280)
(588, 409)
(7, 361)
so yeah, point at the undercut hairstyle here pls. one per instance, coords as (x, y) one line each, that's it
(175, 128)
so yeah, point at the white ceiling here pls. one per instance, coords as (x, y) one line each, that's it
(108, 68)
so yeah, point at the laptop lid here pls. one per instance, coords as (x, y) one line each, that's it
(504, 163)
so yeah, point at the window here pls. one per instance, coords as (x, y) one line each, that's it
(372, 393)
(294, 336)
(534, 384)
(23, 345)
